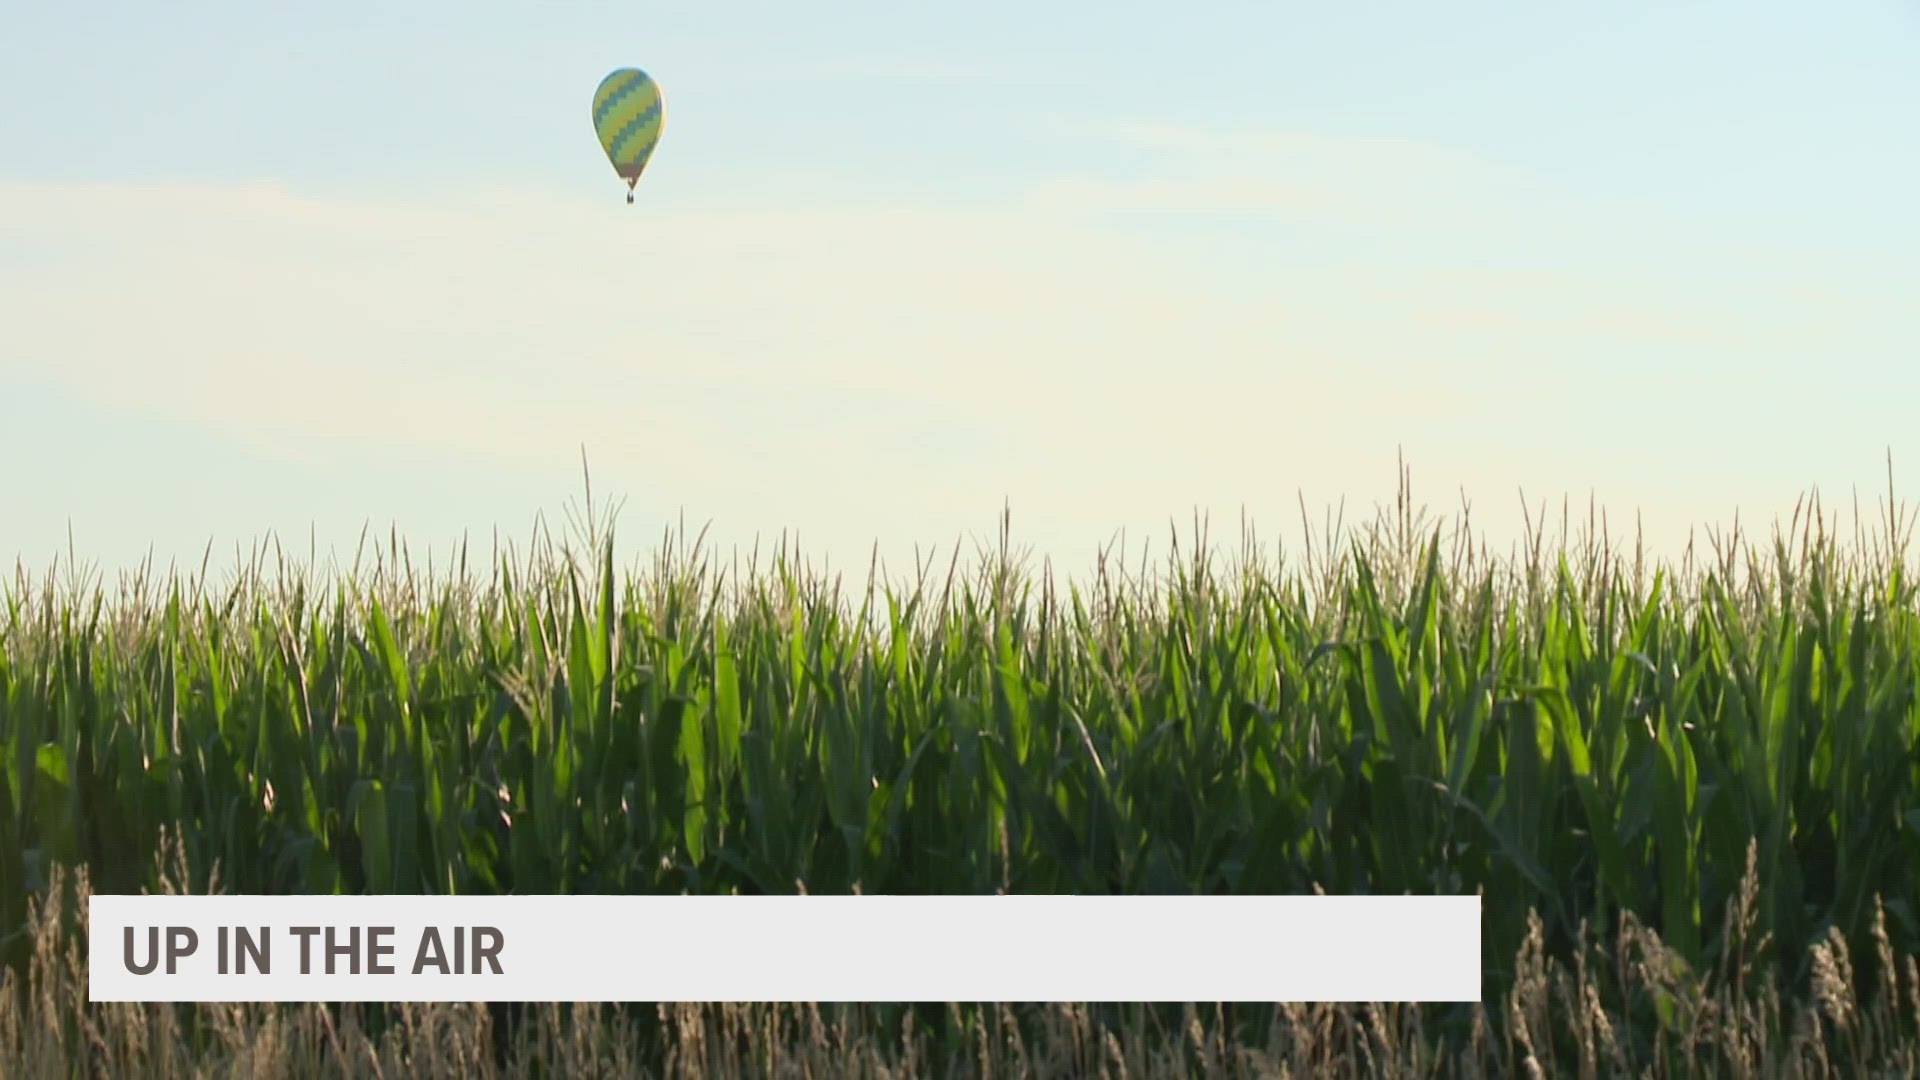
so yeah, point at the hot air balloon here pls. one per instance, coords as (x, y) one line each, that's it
(627, 115)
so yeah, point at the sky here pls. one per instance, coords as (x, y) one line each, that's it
(896, 268)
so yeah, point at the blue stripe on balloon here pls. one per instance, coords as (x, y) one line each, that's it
(638, 124)
(634, 82)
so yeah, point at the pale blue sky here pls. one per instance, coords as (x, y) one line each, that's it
(896, 264)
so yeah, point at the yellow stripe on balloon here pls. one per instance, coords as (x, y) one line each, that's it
(624, 113)
(638, 143)
(616, 84)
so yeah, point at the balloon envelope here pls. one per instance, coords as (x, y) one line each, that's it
(627, 115)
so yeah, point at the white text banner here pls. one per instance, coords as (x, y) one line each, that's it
(785, 948)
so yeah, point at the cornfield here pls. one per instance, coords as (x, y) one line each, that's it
(1585, 736)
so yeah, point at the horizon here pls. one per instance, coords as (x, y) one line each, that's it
(1882, 533)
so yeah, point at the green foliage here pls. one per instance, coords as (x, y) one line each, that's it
(1580, 738)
